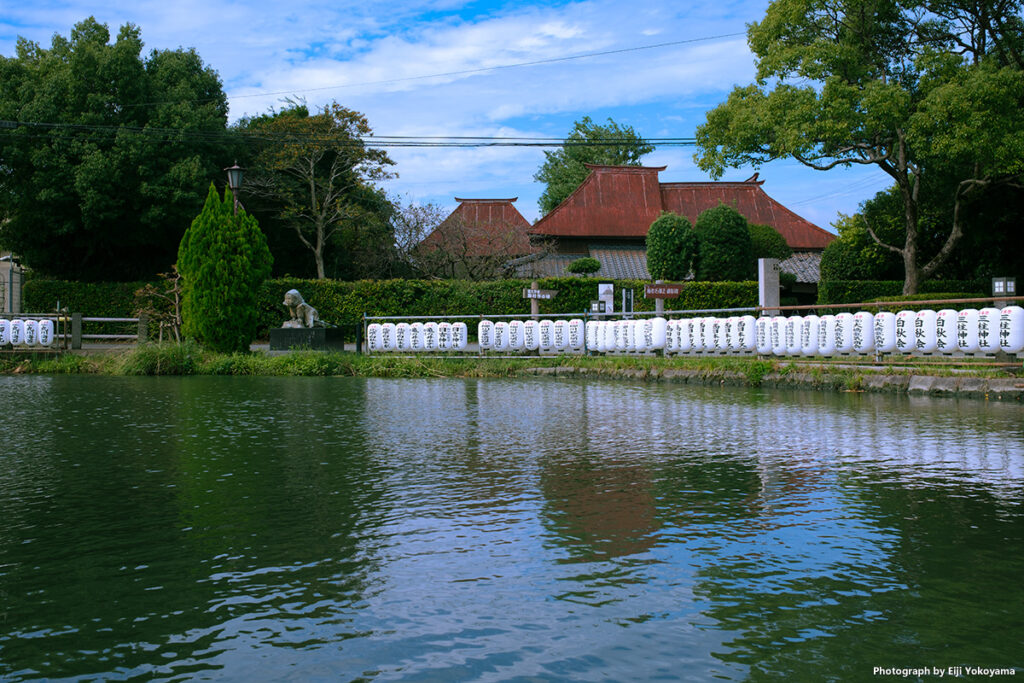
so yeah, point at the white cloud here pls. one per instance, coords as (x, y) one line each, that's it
(372, 55)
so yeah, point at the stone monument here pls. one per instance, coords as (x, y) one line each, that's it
(304, 329)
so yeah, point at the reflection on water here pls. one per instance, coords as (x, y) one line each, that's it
(343, 528)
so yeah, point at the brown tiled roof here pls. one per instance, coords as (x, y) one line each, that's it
(483, 226)
(623, 201)
(614, 201)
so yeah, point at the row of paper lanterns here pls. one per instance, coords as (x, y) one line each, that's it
(969, 331)
(26, 332)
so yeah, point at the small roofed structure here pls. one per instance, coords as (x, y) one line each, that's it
(476, 240)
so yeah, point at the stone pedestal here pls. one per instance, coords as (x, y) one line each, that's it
(312, 338)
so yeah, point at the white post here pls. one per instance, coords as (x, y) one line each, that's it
(768, 284)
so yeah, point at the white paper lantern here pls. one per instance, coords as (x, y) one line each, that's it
(460, 336)
(809, 335)
(531, 335)
(609, 337)
(721, 335)
(576, 335)
(516, 341)
(905, 334)
(5, 332)
(17, 332)
(373, 341)
(764, 335)
(844, 333)
(945, 330)
(885, 332)
(863, 332)
(1011, 329)
(707, 334)
(388, 337)
(924, 332)
(416, 340)
(659, 334)
(31, 332)
(672, 330)
(45, 332)
(827, 335)
(685, 326)
(485, 335)
(560, 334)
(746, 334)
(500, 342)
(593, 332)
(792, 330)
(778, 331)
(444, 336)
(988, 330)
(967, 331)
(546, 330)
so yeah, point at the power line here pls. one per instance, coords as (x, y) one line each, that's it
(456, 141)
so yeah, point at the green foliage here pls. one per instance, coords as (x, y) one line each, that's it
(853, 255)
(934, 104)
(672, 247)
(922, 297)
(312, 182)
(766, 242)
(105, 193)
(564, 170)
(725, 246)
(857, 291)
(584, 266)
(223, 259)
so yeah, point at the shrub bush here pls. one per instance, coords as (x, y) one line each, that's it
(223, 259)
(672, 247)
(725, 247)
(584, 266)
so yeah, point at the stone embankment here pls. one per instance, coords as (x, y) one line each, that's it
(1001, 389)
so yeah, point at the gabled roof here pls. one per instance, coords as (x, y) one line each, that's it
(483, 226)
(623, 201)
(614, 201)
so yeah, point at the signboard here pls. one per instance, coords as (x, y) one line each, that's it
(662, 291)
(597, 307)
(606, 293)
(539, 293)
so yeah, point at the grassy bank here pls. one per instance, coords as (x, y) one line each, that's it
(190, 359)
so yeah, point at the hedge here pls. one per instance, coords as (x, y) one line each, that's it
(346, 302)
(856, 291)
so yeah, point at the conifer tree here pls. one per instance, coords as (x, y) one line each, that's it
(223, 259)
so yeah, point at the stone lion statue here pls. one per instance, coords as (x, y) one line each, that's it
(302, 314)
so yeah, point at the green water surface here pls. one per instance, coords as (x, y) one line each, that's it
(213, 528)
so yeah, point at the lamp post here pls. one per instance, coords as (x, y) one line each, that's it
(235, 182)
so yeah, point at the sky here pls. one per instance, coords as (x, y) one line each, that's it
(490, 68)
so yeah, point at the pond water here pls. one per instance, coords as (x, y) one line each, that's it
(537, 530)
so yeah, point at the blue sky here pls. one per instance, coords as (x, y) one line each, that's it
(373, 57)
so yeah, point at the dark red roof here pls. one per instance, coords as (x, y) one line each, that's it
(483, 226)
(623, 201)
(614, 201)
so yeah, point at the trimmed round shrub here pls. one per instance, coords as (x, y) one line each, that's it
(672, 247)
(584, 266)
(725, 245)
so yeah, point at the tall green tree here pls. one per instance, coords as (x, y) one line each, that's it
(314, 174)
(223, 259)
(588, 143)
(919, 88)
(672, 247)
(104, 153)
